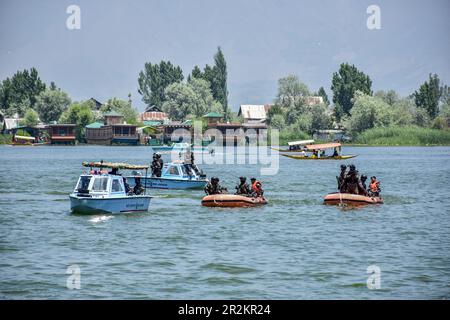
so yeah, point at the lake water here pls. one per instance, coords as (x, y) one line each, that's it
(293, 248)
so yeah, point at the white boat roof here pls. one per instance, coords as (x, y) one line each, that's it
(300, 142)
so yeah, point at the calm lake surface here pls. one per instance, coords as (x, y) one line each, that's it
(293, 248)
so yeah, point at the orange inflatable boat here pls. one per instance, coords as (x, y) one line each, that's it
(232, 200)
(350, 199)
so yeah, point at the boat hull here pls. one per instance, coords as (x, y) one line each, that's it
(297, 157)
(232, 201)
(166, 183)
(350, 199)
(85, 205)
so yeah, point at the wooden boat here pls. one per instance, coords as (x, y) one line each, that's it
(103, 192)
(27, 141)
(232, 200)
(298, 157)
(295, 146)
(317, 152)
(350, 199)
(175, 175)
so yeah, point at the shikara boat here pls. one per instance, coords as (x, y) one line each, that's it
(295, 146)
(175, 175)
(101, 191)
(350, 199)
(27, 141)
(232, 200)
(317, 152)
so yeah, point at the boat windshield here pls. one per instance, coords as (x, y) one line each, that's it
(173, 170)
(100, 184)
(83, 183)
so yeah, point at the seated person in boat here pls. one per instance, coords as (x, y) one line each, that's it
(257, 190)
(374, 187)
(335, 153)
(213, 187)
(138, 189)
(243, 188)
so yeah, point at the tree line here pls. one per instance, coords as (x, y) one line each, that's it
(161, 85)
(355, 107)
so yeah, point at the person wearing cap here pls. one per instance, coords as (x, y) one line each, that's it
(243, 188)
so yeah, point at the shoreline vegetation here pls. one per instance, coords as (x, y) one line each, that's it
(354, 113)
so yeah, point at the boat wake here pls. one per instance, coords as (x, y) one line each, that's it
(100, 219)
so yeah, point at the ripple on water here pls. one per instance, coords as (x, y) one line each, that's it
(228, 268)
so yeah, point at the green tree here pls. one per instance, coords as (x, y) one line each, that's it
(50, 104)
(154, 79)
(197, 73)
(79, 113)
(390, 96)
(277, 121)
(180, 101)
(203, 101)
(322, 93)
(219, 85)
(20, 92)
(130, 114)
(291, 91)
(345, 83)
(31, 118)
(369, 112)
(429, 95)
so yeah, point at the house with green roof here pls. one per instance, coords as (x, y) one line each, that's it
(213, 117)
(112, 131)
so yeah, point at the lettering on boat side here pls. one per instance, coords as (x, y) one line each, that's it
(73, 22)
(226, 309)
(374, 20)
(374, 280)
(74, 280)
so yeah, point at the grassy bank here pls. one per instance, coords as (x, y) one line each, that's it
(404, 136)
(5, 138)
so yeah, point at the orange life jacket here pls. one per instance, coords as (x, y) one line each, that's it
(374, 186)
(256, 186)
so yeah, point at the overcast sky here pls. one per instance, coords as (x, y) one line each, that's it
(262, 41)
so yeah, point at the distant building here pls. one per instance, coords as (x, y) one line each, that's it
(62, 133)
(111, 131)
(213, 117)
(254, 112)
(235, 133)
(113, 117)
(9, 124)
(155, 116)
(175, 131)
(97, 104)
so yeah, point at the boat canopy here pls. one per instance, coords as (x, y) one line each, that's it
(117, 165)
(300, 143)
(24, 138)
(323, 146)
